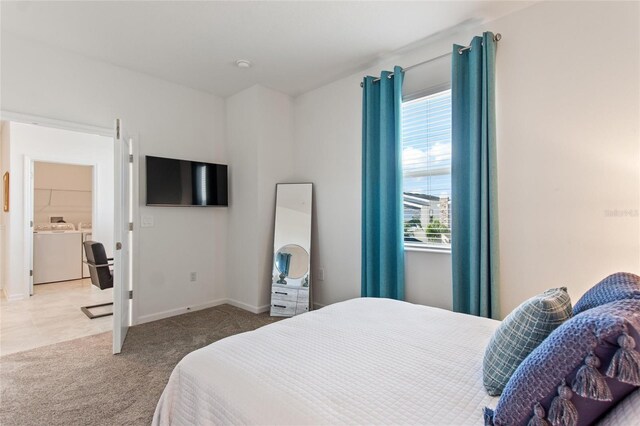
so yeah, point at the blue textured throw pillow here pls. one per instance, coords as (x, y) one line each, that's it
(520, 333)
(583, 369)
(618, 286)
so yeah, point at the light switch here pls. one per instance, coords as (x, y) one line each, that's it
(146, 221)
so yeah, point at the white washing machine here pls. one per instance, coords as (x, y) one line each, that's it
(57, 253)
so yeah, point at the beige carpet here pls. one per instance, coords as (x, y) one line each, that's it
(80, 382)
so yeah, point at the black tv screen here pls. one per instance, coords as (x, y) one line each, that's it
(172, 182)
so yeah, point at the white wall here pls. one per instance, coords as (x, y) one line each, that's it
(260, 144)
(568, 151)
(276, 152)
(63, 190)
(242, 133)
(38, 143)
(327, 135)
(167, 120)
(4, 233)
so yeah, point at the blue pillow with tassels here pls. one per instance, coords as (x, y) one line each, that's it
(618, 286)
(583, 369)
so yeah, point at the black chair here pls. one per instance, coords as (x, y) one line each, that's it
(100, 272)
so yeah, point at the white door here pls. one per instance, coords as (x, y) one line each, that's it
(28, 217)
(122, 238)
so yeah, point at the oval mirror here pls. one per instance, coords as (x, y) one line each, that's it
(292, 261)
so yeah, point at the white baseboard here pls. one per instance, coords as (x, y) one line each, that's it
(178, 311)
(247, 307)
(14, 297)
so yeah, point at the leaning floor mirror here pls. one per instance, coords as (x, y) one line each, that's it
(291, 283)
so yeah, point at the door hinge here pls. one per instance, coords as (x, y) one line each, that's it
(31, 223)
(117, 128)
(131, 158)
(130, 294)
(118, 246)
(31, 272)
(130, 226)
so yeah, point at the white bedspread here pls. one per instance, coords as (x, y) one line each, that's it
(363, 361)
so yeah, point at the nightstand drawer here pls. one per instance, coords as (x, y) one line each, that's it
(283, 308)
(302, 307)
(303, 295)
(284, 294)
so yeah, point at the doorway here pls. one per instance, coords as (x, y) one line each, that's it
(34, 204)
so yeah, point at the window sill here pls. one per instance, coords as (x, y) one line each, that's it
(427, 249)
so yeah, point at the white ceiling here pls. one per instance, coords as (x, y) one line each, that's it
(294, 46)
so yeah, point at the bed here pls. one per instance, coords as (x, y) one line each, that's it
(347, 363)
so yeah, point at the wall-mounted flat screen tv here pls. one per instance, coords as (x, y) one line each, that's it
(172, 182)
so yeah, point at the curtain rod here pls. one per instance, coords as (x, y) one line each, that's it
(496, 38)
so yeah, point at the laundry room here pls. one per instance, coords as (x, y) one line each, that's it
(62, 211)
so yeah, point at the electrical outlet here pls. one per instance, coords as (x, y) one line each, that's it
(321, 274)
(147, 221)
(193, 277)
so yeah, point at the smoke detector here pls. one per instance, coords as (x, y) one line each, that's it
(243, 63)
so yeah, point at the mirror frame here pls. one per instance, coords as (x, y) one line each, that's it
(301, 238)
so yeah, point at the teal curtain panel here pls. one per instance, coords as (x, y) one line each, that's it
(382, 234)
(474, 240)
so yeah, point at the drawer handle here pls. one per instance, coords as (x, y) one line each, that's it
(281, 292)
(280, 306)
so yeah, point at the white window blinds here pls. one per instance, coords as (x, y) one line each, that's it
(426, 159)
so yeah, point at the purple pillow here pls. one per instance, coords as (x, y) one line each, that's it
(618, 286)
(585, 367)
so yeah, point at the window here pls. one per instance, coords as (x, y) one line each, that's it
(426, 163)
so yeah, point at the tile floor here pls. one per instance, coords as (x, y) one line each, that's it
(52, 315)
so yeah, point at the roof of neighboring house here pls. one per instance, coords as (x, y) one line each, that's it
(415, 200)
(421, 196)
